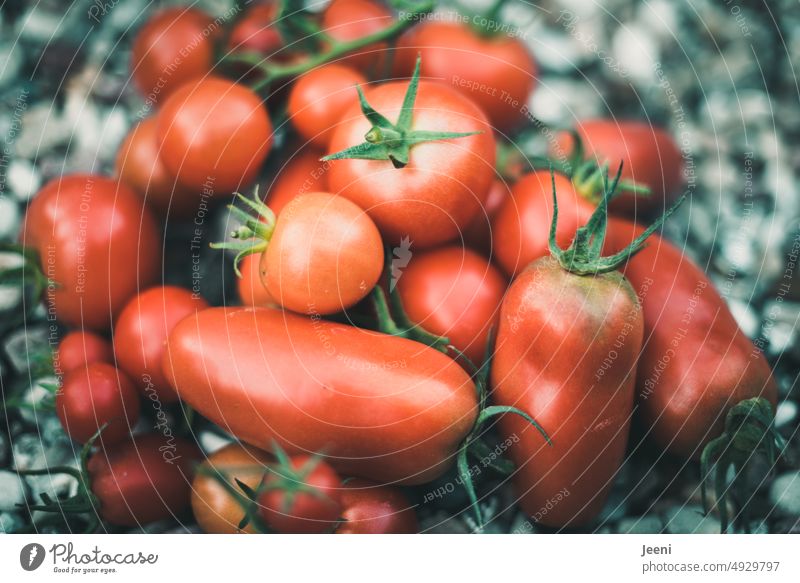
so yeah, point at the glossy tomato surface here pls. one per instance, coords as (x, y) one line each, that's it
(78, 349)
(347, 20)
(368, 508)
(301, 174)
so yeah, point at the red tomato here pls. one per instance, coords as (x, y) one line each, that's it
(454, 292)
(302, 174)
(98, 241)
(368, 508)
(378, 406)
(143, 480)
(346, 20)
(496, 71)
(441, 190)
(140, 335)
(302, 499)
(174, 46)
(79, 349)
(317, 99)
(92, 396)
(214, 135)
(478, 235)
(252, 291)
(255, 32)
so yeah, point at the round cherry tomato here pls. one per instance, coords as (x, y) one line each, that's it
(441, 189)
(478, 235)
(214, 135)
(304, 498)
(98, 241)
(317, 99)
(302, 174)
(252, 291)
(368, 508)
(140, 335)
(256, 32)
(454, 292)
(174, 46)
(215, 510)
(92, 396)
(143, 480)
(346, 20)
(325, 255)
(79, 349)
(496, 71)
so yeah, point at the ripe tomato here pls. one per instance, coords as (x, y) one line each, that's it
(478, 235)
(79, 349)
(441, 189)
(92, 396)
(143, 480)
(368, 508)
(301, 498)
(214, 135)
(140, 335)
(378, 406)
(317, 99)
(215, 510)
(256, 31)
(98, 241)
(174, 46)
(453, 292)
(496, 71)
(346, 20)
(302, 174)
(252, 291)
(325, 255)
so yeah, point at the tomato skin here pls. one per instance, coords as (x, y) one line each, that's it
(378, 406)
(368, 508)
(175, 45)
(92, 396)
(556, 333)
(96, 238)
(141, 331)
(441, 190)
(144, 479)
(317, 99)
(302, 174)
(304, 512)
(252, 291)
(214, 133)
(497, 72)
(256, 33)
(454, 292)
(214, 509)
(79, 349)
(478, 235)
(325, 255)
(346, 20)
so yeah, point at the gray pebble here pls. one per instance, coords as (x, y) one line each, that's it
(12, 491)
(784, 494)
(690, 520)
(648, 524)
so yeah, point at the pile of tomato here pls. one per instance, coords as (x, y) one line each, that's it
(406, 300)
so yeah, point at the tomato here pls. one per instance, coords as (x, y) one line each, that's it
(79, 349)
(214, 135)
(453, 292)
(138, 165)
(140, 335)
(301, 174)
(478, 235)
(256, 31)
(441, 189)
(143, 480)
(215, 510)
(92, 396)
(347, 20)
(317, 99)
(377, 406)
(649, 154)
(174, 46)
(368, 508)
(98, 241)
(252, 291)
(496, 71)
(301, 498)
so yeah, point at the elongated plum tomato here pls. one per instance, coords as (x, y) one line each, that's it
(140, 335)
(368, 508)
(347, 20)
(79, 349)
(302, 174)
(377, 406)
(454, 292)
(95, 395)
(252, 291)
(496, 71)
(317, 99)
(175, 45)
(215, 134)
(144, 479)
(324, 256)
(98, 241)
(215, 510)
(441, 189)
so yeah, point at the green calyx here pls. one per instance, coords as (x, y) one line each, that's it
(393, 141)
(255, 232)
(584, 256)
(749, 431)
